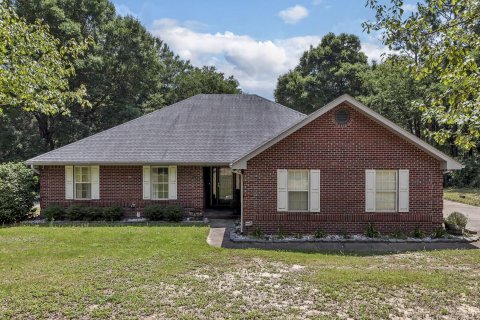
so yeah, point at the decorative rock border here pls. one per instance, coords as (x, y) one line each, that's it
(357, 238)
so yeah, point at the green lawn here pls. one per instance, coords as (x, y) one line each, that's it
(170, 272)
(463, 195)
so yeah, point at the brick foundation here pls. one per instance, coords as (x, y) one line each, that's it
(342, 153)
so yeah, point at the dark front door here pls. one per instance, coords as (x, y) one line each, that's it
(222, 187)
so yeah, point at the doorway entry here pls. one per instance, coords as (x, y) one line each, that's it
(221, 187)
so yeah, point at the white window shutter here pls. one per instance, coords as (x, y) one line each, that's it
(68, 182)
(282, 196)
(403, 190)
(315, 190)
(370, 190)
(172, 182)
(146, 182)
(95, 178)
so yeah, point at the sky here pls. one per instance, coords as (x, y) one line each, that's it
(254, 40)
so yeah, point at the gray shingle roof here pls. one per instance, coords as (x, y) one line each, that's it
(204, 129)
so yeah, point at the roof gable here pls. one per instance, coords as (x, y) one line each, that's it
(446, 161)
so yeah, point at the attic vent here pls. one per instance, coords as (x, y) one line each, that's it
(342, 116)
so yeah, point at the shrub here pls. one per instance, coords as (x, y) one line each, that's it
(54, 212)
(418, 233)
(76, 213)
(154, 212)
(174, 213)
(439, 233)
(113, 213)
(371, 232)
(457, 219)
(319, 234)
(398, 234)
(93, 213)
(258, 233)
(17, 192)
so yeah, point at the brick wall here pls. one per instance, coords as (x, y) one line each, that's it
(122, 185)
(342, 153)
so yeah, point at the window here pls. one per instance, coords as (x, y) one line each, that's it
(160, 183)
(386, 190)
(297, 190)
(83, 183)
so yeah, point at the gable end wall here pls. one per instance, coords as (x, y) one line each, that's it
(342, 153)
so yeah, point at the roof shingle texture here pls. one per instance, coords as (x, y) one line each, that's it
(204, 129)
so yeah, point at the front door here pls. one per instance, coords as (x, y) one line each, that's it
(222, 193)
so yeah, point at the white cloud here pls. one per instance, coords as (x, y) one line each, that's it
(409, 7)
(317, 2)
(374, 51)
(293, 14)
(123, 10)
(254, 63)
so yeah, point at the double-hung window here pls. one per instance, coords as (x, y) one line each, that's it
(387, 190)
(297, 190)
(83, 183)
(159, 183)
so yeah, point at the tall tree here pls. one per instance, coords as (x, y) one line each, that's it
(392, 91)
(126, 71)
(324, 72)
(34, 68)
(442, 37)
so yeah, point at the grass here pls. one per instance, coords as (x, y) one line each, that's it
(169, 271)
(464, 195)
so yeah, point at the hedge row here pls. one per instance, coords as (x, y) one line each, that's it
(82, 213)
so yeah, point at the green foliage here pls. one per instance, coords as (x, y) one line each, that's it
(54, 212)
(442, 38)
(113, 213)
(36, 69)
(319, 234)
(174, 213)
(324, 72)
(17, 186)
(154, 212)
(418, 233)
(371, 232)
(76, 213)
(457, 219)
(439, 233)
(94, 214)
(468, 177)
(258, 233)
(125, 70)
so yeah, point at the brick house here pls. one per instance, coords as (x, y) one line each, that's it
(335, 170)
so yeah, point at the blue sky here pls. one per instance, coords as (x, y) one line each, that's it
(254, 40)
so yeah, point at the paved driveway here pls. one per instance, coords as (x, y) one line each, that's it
(472, 212)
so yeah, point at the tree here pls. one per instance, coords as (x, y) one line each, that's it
(391, 90)
(442, 38)
(324, 73)
(126, 71)
(34, 68)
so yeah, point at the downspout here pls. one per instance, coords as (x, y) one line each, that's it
(34, 169)
(240, 173)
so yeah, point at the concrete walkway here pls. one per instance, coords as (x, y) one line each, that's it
(220, 231)
(472, 212)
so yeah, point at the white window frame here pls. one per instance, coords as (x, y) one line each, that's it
(396, 190)
(75, 182)
(152, 193)
(307, 190)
